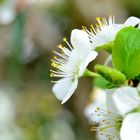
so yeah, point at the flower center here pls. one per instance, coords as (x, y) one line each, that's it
(64, 63)
(109, 125)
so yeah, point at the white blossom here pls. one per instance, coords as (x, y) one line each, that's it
(116, 119)
(71, 64)
(7, 11)
(106, 30)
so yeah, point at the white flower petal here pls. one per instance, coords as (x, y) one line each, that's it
(64, 89)
(131, 127)
(79, 38)
(92, 55)
(111, 106)
(132, 21)
(126, 99)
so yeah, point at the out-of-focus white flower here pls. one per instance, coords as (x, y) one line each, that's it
(98, 99)
(97, 113)
(7, 11)
(7, 111)
(109, 125)
(11, 132)
(8, 130)
(113, 124)
(71, 64)
(106, 30)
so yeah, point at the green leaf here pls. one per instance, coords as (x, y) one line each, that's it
(137, 77)
(112, 75)
(126, 52)
(107, 47)
(102, 83)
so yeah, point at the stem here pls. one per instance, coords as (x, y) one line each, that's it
(89, 73)
(15, 67)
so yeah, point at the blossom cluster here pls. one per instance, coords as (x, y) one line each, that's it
(115, 110)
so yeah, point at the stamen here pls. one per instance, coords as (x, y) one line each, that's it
(61, 64)
(102, 23)
(109, 125)
(105, 21)
(65, 40)
(93, 29)
(86, 30)
(99, 21)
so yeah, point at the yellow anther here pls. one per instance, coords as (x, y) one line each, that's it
(64, 39)
(54, 57)
(51, 63)
(109, 112)
(97, 25)
(98, 18)
(101, 130)
(51, 75)
(100, 22)
(91, 29)
(60, 46)
(54, 65)
(83, 27)
(97, 108)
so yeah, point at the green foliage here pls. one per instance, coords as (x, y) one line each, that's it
(112, 75)
(126, 52)
(102, 83)
(107, 47)
(2, 2)
(137, 77)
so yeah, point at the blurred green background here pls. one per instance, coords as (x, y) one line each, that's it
(29, 31)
